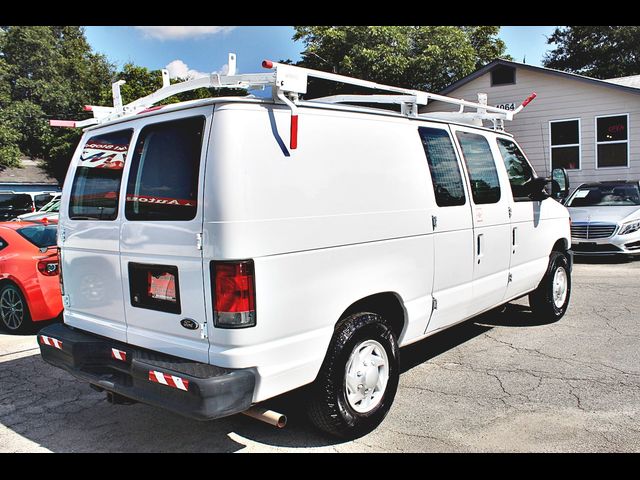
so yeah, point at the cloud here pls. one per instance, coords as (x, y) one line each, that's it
(180, 33)
(179, 69)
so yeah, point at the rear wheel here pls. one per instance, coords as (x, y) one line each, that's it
(358, 379)
(551, 299)
(14, 312)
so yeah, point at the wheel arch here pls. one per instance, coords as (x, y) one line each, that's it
(388, 305)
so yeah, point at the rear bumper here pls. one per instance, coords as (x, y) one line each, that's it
(201, 391)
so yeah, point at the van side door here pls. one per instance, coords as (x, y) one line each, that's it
(452, 232)
(491, 224)
(160, 247)
(529, 259)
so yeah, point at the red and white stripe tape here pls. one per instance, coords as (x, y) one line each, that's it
(119, 354)
(168, 380)
(52, 342)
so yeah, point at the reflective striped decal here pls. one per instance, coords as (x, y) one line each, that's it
(168, 380)
(118, 354)
(52, 342)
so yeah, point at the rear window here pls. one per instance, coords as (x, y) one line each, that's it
(163, 181)
(41, 236)
(96, 186)
(15, 201)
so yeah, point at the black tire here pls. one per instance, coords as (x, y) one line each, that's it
(14, 311)
(328, 407)
(541, 300)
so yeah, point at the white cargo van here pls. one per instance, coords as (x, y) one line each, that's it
(220, 252)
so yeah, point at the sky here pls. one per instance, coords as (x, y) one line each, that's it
(196, 50)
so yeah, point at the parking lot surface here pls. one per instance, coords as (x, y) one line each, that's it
(500, 383)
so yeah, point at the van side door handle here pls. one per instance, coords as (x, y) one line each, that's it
(479, 245)
(514, 238)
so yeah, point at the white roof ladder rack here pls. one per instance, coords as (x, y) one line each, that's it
(288, 82)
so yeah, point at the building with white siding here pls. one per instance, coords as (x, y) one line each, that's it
(591, 127)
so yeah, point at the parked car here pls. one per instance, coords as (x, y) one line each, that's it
(29, 275)
(13, 204)
(605, 218)
(291, 263)
(49, 211)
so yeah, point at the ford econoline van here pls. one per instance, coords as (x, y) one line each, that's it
(217, 253)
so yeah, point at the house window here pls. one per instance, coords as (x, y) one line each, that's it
(565, 144)
(503, 75)
(612, 141)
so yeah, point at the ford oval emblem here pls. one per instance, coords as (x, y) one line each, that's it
(189, 324)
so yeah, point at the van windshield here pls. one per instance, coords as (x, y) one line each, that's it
(96, 186)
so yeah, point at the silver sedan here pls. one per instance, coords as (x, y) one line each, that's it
(605, 218)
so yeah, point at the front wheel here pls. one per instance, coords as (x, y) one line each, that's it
(358, 379)
(551, 299)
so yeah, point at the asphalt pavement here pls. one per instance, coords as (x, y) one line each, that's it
(503, 382)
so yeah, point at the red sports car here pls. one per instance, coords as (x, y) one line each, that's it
(29, 275)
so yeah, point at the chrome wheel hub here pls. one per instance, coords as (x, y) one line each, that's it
(560, 286)
(366, 376)
(11, 309)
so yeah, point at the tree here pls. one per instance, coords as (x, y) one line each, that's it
(419, 57)
(45, 72)
(595, 51)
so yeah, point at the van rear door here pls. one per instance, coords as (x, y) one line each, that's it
(161, 256)
(89, 233)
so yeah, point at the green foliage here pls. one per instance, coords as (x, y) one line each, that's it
(595, 51)
(45, 72)
(420, 57)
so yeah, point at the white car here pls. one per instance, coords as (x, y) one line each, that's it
(605, 218)
(219, 252)
(48, 211)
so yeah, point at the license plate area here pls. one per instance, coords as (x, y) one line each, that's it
(154, 287)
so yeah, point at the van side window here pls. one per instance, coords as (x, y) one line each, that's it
(518, 168)
(163, 181)
(443, 165)
(96, 186)
(485, 185)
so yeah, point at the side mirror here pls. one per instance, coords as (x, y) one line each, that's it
(559, 183)
(536, 188)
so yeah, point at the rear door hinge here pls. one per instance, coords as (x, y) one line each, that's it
(434, 221)
(62, 234)
(203, 330)
(510, 278)
(199, 241)
(434, 303)
(66, 301)
(510, 212)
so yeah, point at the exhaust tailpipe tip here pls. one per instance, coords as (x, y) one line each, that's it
(276, 419)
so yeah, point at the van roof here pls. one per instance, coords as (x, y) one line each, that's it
(162, 109)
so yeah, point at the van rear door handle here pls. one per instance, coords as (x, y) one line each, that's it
(480, 240)
(514, 238)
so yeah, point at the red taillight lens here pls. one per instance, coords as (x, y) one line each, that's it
(48, 268)
(234, 296)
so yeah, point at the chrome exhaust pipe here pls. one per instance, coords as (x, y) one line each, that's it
(268, 416)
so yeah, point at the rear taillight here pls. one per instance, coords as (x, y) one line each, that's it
(48, 267)
(234, 294)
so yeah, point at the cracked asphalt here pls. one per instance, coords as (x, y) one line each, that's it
(503, 382)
